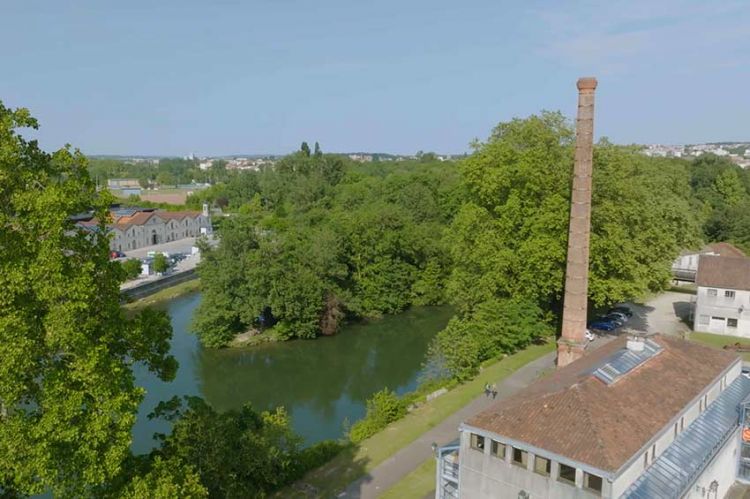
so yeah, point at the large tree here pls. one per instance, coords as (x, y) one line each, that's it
(67, 395)
(510, 236)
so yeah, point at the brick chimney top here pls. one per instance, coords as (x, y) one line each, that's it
(587, 83)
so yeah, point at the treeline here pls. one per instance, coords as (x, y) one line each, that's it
(317, 240)
(166, 172)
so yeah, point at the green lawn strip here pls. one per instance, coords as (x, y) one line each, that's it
(416, 484)
(163, 295)
(333, 477)
(719, 340)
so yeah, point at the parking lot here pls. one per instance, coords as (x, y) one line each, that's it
(666, 313)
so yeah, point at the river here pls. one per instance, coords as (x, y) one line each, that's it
(322, 383)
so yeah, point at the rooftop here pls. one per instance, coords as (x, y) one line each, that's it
(724, 272)
(573, 412)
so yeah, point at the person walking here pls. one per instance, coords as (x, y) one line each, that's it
(494, 391)
(487, 389)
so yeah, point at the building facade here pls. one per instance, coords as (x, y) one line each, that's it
(609, 425)
(137, 229)
(722, 304)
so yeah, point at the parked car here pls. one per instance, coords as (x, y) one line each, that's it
(116, 254)
(616, 321)
(622, 309)
(603, 325)
(590, 336)
(619, 316)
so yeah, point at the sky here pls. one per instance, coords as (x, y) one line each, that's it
(174, 77)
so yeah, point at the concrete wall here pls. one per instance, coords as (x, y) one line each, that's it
(722, 470)
(484, 476)
(151, 287)
(722, 307)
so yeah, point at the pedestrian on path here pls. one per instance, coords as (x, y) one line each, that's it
(494, 391)
(487, 389)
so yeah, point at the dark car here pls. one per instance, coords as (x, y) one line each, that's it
(616, 318)
(116, 254)
(603, 325)
(622, 309)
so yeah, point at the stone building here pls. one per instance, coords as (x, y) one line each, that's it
(134, 228)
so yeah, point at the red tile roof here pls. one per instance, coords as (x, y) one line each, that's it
(723, 249)
(723, 272)
(573, 414)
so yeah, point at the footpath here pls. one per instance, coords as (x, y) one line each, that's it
(393, 469)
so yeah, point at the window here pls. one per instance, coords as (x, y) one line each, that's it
(682, 423)
(729, 294)
(675, 430)
(703, 404)
(592, 482)
(731, 322)
(703, 319)
(520, 457)
(712, 292)
(653, 453)
(645, 460)
(542, 465)
(567, 474)
(497, 449)
(477, 442)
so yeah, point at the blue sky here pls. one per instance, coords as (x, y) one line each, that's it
(224, 77)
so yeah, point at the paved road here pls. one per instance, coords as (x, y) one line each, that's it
(666, 313)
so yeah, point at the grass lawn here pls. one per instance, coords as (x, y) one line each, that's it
(333, 477)
(163, 295)
(416, 484)
(719, 340)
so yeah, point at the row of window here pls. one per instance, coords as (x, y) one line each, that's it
(705, 319)
(542, 465)
(727, 293)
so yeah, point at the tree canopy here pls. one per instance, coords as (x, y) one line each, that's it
(67, 395)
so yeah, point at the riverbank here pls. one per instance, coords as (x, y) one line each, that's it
(357, 461)
(163, 296)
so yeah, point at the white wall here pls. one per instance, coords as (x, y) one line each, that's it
(722, 469)
(722, 307)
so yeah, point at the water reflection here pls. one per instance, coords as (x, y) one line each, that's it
(321, 382)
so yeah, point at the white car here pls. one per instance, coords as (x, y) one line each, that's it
(590, 336)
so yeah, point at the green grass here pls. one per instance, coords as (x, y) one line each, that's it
(719, 340)
(354, 462)
(416, 484)
(163, 295)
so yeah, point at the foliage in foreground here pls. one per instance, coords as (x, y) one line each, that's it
(68, 400)
(238, 453)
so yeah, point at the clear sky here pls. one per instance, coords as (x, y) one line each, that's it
(260, 76)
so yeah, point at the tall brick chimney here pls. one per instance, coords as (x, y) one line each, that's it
(572, 341)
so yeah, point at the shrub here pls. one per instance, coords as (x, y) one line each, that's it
(132, 268)
(383, 408)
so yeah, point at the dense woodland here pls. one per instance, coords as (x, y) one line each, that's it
(311, 243)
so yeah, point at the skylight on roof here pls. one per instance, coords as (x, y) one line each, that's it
(625, 360)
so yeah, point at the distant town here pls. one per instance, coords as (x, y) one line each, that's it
(737, 152)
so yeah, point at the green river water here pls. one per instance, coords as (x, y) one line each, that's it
(320, 382)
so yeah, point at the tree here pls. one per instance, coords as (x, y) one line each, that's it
(318, 153)
(237, 453)
(305, 149)
(132, 268)
(510, 236)
(68, 400)
(160, 263)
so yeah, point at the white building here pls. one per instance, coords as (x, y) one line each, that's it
(722, 303)
(134, 228)
(650, 418)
